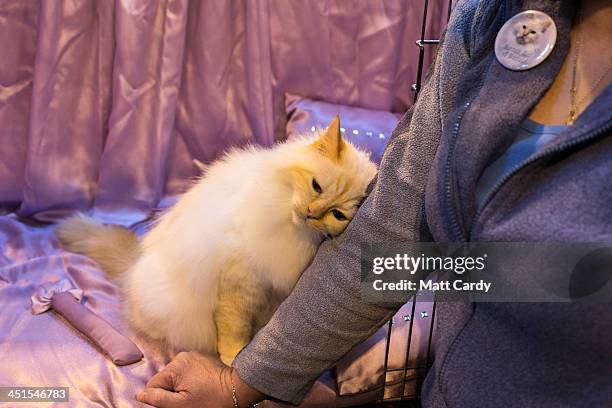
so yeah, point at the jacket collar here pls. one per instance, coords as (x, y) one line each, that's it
(499, 100)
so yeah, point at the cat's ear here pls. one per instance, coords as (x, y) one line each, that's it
(330, 142)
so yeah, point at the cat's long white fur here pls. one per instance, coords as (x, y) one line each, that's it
(239, 213)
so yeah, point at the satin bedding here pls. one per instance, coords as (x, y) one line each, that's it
(43, 350)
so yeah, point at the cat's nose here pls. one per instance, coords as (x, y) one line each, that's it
(309, 213)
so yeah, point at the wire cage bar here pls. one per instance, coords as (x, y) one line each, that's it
(419, 369)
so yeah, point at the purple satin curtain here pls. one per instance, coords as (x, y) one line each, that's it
(104, 104)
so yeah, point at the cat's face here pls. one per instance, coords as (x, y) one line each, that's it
(530, 31)
(525, 35)
(328, 188)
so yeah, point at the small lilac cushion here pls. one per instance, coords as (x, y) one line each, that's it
(66, 301)
(365, 128)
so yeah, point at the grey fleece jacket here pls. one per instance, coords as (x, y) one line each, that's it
(540, 355)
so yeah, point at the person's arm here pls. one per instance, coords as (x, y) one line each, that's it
(324, 316)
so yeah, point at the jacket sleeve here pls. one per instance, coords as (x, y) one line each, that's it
(324, 316)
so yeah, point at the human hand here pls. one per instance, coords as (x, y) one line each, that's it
(195, 380)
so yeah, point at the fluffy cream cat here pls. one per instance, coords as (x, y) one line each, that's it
(216, 265)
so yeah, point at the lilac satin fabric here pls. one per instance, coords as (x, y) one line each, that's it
(66, 301)
(104, 104)
(42, 350)
(366, 128)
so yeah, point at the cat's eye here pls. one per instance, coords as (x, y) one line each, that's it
(316, 187)
(339, 215)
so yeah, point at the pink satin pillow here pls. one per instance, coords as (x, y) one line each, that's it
(365, 128)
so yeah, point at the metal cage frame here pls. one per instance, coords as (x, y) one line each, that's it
(420, 370)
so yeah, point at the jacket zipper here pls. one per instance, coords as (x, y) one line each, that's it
(447, 175)
(593, 134)
(456, 228)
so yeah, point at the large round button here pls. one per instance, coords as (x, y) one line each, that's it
(525, 40)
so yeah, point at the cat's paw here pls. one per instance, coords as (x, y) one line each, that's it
(227, 359)
(229, 349)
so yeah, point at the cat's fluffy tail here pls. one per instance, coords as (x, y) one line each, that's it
(114, 248)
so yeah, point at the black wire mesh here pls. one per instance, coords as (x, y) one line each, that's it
(414, 370)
